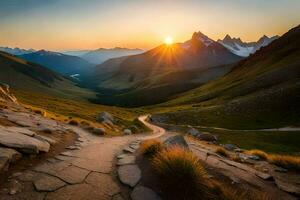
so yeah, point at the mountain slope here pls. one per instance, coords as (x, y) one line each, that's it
(16, 51)
(244, 49)
(261, 91)
(101, 55)
(22, 75)
(58, 62)
(164, 70)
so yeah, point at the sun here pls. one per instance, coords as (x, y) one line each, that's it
(168, 40)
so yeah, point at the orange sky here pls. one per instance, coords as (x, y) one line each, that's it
(75, 24)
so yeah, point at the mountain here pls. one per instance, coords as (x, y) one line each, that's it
(164, 71)
(78, 53)
(261, 91)
(30, 77)
(244, 49)
(100, 55)
(58, 62)
(16, 51)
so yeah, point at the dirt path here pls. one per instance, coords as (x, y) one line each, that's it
(83, 173)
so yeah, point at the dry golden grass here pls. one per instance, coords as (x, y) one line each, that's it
(74, 122)
(285, 161)
(261, 154)
(180, 173)
(151, 147)
(221, 151)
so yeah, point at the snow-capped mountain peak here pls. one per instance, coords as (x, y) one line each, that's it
(244, 49)
(203, 38)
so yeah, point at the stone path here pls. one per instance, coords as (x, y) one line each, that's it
(85, 172)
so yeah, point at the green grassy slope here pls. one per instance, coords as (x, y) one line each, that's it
(262, 91)
(23, 75)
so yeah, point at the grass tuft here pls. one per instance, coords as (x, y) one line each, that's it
(285, 161)
(151, 147)
(73, 122)
(221, 151)
(261, 154)
(180, 173)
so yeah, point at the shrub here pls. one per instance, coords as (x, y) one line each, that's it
(261, 154)
(180, 173)
(151, 147)
(288, 162)
(73, 122)
(221, 151)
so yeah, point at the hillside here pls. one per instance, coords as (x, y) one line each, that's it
(22, 75)
(64, 64)
(165, 70)
(261, 91)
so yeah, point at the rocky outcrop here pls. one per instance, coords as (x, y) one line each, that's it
(105, 117)
(6, 95)
(177, 140)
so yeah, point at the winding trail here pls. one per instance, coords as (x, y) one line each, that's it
(85, 173)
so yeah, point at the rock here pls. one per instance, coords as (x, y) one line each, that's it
(127, 132)
(129, 149)
(21, 130)
(254, 157)
(230, 147)
(176, 140)
(108, 122)
(122, 156)
(48, 184)
(104, 116)
(24, 143)
(144, 193)
(207, 137)
(288, 186)
(6, 95)
(11, 154)
(46, 139)
(72, 174)
(98, 131)
(73, 148)
(129, 174)
(14, 187)
(126, 160)
(117, 197)
(193, 132)
(280, 169)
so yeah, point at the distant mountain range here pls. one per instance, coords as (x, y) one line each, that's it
(58, 62)
(261, 91)
(31, 77)
(244, 49)
(101, 55)
(16, 51)
(163, 71)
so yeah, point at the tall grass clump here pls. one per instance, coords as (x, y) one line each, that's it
(261, 154)
(180, 173)
(221, 151)
(151, 147)
(285, 161)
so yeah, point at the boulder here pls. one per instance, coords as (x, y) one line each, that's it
(230, 147)
(98, 131)
(104, 116)
(11, 154)
(127, 132)
(129, 174)
(23, 142)
(193, 132)
(6, 95)
(207, 137)
(144, 193)
(176, 140)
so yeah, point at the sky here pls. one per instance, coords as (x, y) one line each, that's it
(91, 24)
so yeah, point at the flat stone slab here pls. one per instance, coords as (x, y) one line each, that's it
(4, 163)
(126, 160)
(73, 147)
(129, 174)
(122, 156)
(46, 139)
(144, 193)
(21, 130)
(48, 184)
(134, 146)
(129, 149)
(23, 142)
(72, 174)
(104, 183)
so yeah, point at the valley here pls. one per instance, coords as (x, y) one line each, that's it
(148, 100)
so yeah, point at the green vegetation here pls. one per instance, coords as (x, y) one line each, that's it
(151, 147)
(262, 91)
